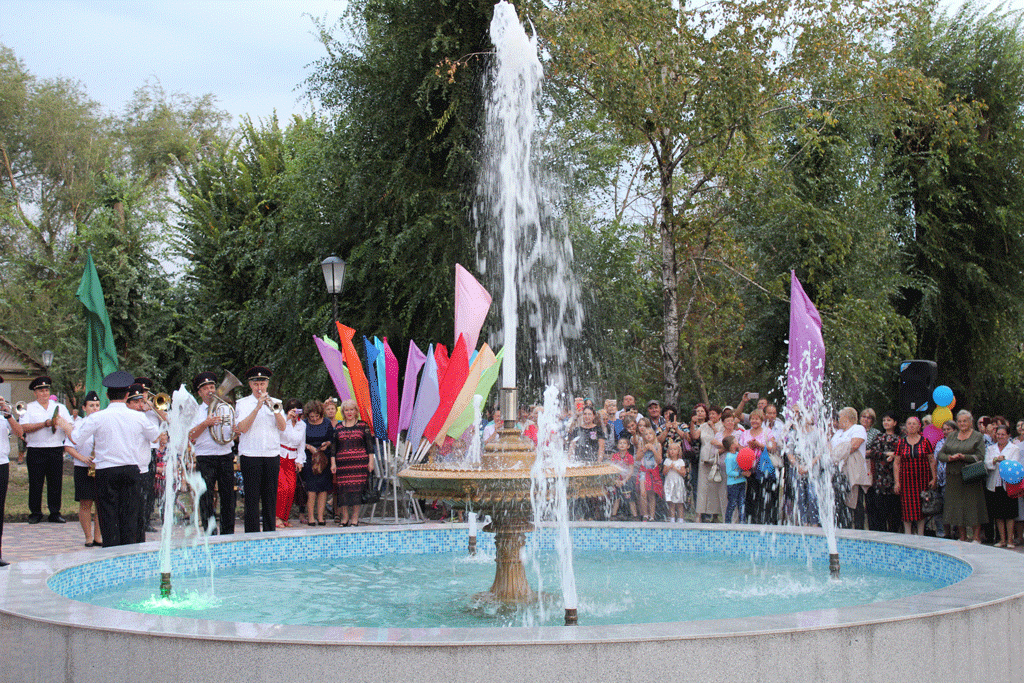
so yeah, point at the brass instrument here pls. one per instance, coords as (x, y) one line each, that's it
(221, 405)
(276, 405)
(162, 402)
(19, 409)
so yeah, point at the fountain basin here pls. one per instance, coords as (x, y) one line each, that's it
(48, 636)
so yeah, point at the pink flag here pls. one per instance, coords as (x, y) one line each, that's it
(806, 350)
(335, 367)
(391, 379)
(427, 400)
(472, 302)
(413, 362)
(450, 386)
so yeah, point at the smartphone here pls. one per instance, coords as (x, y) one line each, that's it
(753, 395)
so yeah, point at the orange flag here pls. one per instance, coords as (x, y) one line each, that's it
(355, 370)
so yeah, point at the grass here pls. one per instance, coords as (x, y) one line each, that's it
(16, 509)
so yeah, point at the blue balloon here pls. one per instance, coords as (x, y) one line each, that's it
(1011, 471)
(942, 396)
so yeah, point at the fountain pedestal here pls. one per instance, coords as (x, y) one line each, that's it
(510, 585)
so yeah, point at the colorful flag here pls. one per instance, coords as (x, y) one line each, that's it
(450, 386)
(382, 385)
(806, 350)
(427, 400)
(483, 388)
(472, 302)
(335, 367)
(379, 430)
(441, 356)
(484, 360)
(391, 379)
(413, 364)
(360, 387)
(101, 354)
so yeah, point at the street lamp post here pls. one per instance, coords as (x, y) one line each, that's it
(334, 278)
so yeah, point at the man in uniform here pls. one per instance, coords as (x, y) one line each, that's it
(215, 462)
(259, 450)
(45, 424)
(8, 425)
(157, 417)
(122, 435)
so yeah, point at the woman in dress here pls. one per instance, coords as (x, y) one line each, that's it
(353, 448)
(883, 500)
(712, 496)
(914, 470)
(318, 444)
(1001, 507)
(649, 483)
(292, 438)
(964, 505)
(330, 411)
(586, 444)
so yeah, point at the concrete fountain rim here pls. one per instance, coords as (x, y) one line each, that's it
(24, 593)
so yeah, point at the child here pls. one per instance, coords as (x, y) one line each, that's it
(649, 485)
(623, 491)
(737, 479)
(675, 470)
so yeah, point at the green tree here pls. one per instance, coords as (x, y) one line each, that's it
(699, 87)
(964, 197)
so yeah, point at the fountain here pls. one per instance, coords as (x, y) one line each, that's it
(49, 634)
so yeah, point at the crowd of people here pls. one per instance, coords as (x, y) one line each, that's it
(726, 465)
(720, 465)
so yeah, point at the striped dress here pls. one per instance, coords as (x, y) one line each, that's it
(353, 446)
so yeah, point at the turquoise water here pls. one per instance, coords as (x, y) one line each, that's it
(429, 591)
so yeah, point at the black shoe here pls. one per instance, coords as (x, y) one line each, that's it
(4, 564)
(35, 519)
(56, 519)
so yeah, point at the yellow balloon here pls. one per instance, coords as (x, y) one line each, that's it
(941, 415)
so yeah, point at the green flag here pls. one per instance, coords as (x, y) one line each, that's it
(101, 358)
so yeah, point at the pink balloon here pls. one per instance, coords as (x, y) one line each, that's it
(932, 433)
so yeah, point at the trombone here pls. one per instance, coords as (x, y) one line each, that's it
(162, 402)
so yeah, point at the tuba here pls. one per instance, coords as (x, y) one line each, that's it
(221, 405)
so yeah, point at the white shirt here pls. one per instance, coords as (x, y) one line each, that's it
(1011, 452)
(5, 442)
(293, 442)
(122, 436)
(263, 440)
(85, 447)
(856, 465)
(205, 445)
(44, 438)
(155, 419)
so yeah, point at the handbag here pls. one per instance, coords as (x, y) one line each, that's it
(931, 503)
(715, 474)
(1014, 490)
(974, 472)
(371, 489)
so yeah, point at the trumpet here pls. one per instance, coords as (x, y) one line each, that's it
(276, 405)
(162, 402)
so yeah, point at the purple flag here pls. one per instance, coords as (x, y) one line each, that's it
(335, 367)
(391, 381)
(806, 350)
(413, 363)
(427, 400)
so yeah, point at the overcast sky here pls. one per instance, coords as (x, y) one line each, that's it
(253, 55)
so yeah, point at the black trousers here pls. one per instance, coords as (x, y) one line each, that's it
(5, 477)
(118, 497)
(884, 512)
(45, 464)
(218, 470)
(259, 477)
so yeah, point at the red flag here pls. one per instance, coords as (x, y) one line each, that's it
(453, 379)
(355, 370)
(441, 356)
(472, 302)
